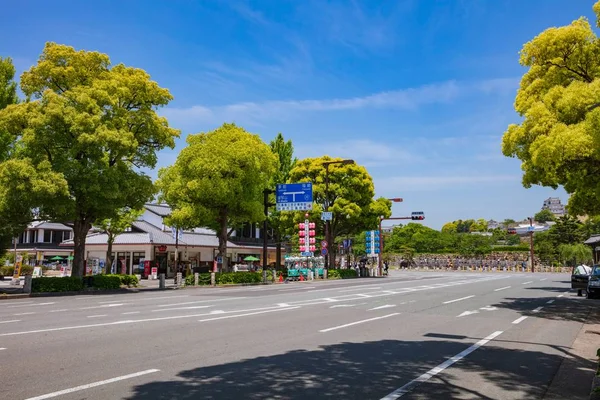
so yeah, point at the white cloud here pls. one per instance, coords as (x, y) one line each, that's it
(403, 99)
(436, 182)
(365, 152)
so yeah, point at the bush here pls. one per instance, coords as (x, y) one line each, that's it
(341, 274)
(224, 278)
(129, 280)
(10, 270)
(105, 282)
(62, 284)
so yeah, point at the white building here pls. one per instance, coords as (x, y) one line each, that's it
(150, 243)
(554, 205)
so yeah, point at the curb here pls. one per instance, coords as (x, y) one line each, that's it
(595, 392)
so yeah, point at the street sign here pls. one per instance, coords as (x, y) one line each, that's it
(294, 197)
(324, 244)
(307, 254)
(324, 251)
(220, 260)
(530, 228)
(327, 216)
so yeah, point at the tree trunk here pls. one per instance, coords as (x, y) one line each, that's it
(223, 242)
(80, 230)
(111, 239)
(278, 250)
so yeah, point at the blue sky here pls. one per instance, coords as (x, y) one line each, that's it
(418, 91)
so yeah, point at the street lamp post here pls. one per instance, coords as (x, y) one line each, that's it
(381, 219)
(326, 164)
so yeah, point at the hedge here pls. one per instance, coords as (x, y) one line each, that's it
(62, 284)
(341, 273)
(228, 278)
(10, 270)
(106, 282)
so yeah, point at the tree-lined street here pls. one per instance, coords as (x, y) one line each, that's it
(362, 339)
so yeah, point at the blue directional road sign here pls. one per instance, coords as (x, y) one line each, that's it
(372, 242)
(294, 197)
(324, 252)
(307, 254)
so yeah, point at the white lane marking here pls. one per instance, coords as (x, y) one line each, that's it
(382, 307)
(359, 288)
(102, 306)
(90, 297)
(357, 322)
(462, 298)
(520, 319)
(283, 304)
(502, 288)
(295, 288)
(112, 301)
(92, 385)
(32, 305)
(434, 371)
(364, 296)
(16, 302)
(61, 310)
(217, 312)
(348, 305)
(181, 308)
(488, 308)
(526, 283)
(130, 312)
(538, 309)
(560, 295)
(246, 314)
(543, 279)
(125, 322)
(467, 313)
(201, 301)
(2, 348)
(25, 313)
(567, 292)
(12, 320)
(550, 302)
(96, 316)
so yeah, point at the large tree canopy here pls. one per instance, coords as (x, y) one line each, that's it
(351, 196)
(558, 140)
(86, 129)
(218, 181)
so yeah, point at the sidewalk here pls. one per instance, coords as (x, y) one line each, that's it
(573, 380)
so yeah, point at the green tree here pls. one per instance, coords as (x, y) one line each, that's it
(218, 182)
(557, 141)
(8, 96)
(508, 222)
(544, 247)
(450, 227)
(544, 216)
(284, 150)
(351, 193)
(420, 238)
(566, 230)
(590, 227)
(573, 254)
(90, 127)
(113, 227)
(513, 240)
(473, 245)
(478, 226)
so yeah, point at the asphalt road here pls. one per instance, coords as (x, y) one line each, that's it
(409, 336)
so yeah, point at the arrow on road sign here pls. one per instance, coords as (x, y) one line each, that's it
(324, 244)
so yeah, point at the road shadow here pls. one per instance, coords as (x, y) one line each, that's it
(576, 309)
(368, 370)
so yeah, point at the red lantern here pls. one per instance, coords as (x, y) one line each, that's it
(311, 233)
(311, 225)
(301, 225)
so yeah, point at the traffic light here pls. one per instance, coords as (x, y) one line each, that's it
(417, 216)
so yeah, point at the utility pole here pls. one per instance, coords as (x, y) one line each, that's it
(531, 244)
(380, 260)
(266, 204)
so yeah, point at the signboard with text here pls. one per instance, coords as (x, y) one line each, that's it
(294, 197)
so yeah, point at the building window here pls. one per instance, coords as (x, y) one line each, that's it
(47, 236)
(23, 237)
(137, 257)
(57, 237)
(123, 260)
